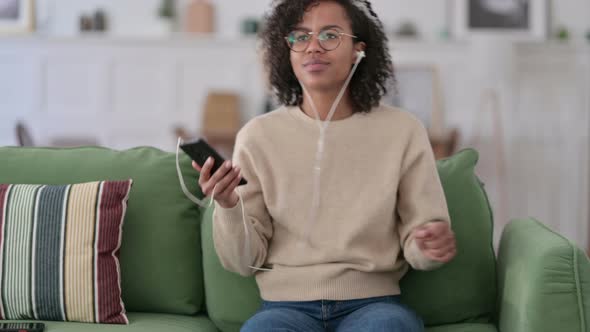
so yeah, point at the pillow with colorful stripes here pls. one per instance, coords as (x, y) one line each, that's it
(59, 251)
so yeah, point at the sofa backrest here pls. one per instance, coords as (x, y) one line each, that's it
(160, 254)
(461, 291)
(465, 289)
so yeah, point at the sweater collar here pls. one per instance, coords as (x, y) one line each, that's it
(298, 114)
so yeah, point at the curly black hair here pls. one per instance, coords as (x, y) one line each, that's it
(372, 78)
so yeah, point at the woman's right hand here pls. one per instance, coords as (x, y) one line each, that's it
(225, 181)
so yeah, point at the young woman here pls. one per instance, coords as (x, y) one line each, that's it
(343, 192)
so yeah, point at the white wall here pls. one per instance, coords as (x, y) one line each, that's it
(137, 17)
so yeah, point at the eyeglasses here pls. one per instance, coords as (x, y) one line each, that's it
(330, 39)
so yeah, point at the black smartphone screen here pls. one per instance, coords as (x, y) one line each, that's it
(200, 150)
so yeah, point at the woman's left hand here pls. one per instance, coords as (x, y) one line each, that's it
(436, 240)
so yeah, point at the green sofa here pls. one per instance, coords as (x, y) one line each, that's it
(172, 280)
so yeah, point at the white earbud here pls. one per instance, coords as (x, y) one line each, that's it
(360, 54)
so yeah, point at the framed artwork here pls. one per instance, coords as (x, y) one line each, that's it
(417, 90)
(16, 16)
(518, 19)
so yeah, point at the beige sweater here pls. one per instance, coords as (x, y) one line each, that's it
(379, 182)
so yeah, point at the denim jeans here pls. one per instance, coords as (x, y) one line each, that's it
(376, 314)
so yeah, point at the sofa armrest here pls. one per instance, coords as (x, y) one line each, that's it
(544, 281)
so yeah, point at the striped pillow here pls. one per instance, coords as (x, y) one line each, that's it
(59, 249)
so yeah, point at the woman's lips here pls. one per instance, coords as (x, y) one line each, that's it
(315, 65)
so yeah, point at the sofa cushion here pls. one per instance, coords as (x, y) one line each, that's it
(464, 290)
(160, 263)
(544, 280)
(231, 298)
(463, 328)
(59, 249)
(141, 322)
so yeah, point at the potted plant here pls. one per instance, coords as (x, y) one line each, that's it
(167, 16)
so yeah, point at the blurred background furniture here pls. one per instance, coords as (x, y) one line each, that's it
(444, 146)
(221, 121)
(23, 136)
(68, 142)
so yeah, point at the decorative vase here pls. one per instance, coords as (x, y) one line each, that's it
(200, 17)
(250, 26)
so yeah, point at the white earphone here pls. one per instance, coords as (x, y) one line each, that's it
(361, 54)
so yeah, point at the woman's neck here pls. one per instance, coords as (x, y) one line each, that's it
(323, 102)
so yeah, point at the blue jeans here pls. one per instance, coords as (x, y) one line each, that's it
(375, 314)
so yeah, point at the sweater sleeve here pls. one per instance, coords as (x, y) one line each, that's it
(241, 234)
(421, 198)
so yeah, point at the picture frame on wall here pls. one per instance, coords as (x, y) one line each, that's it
(515, 19)
(417, 90)
(16, 16)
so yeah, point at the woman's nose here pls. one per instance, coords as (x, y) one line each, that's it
(314, 45)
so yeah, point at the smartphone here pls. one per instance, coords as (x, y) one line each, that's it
(22, 327)
(200, 150)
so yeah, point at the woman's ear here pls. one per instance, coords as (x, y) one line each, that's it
(358, 47)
